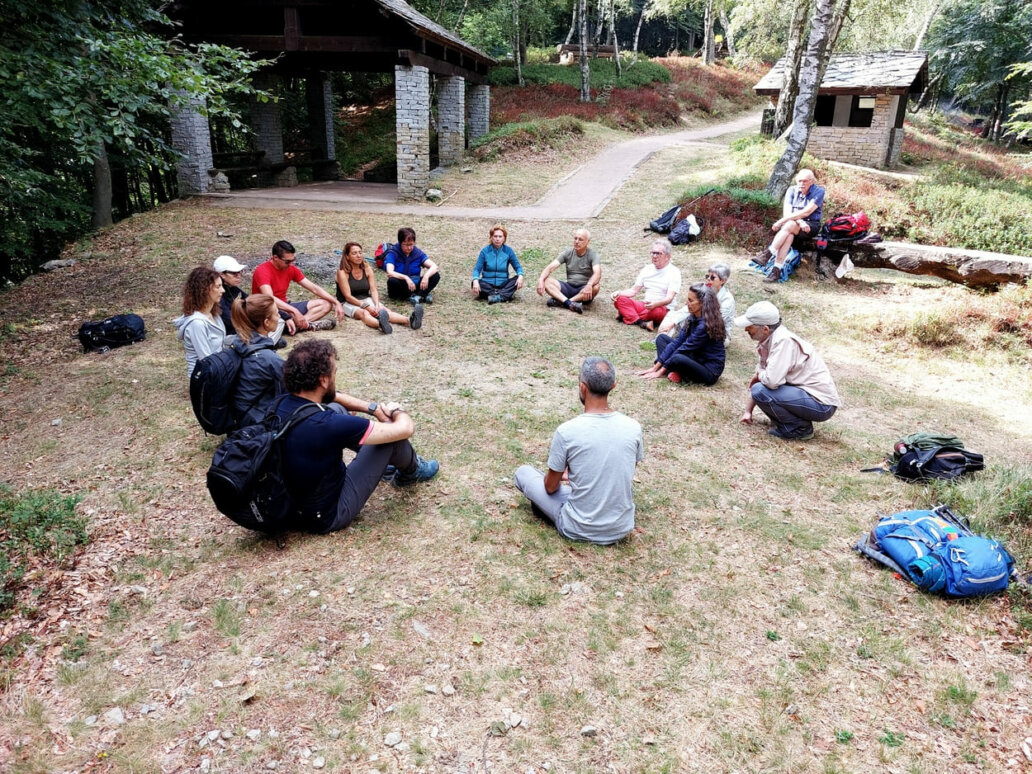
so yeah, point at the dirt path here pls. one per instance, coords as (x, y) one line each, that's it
(580, 195)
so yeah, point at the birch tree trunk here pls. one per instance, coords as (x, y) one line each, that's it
(573, 23)
(925, 25)
(585, 68)
(637, 30)
(516, 41)
(709, 48)
(612, 34)
(793, 59)
(821, 30)
(728, 35)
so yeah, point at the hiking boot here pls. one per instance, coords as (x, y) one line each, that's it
(325, 324)
(575, 306)
(774, 275)
(428, 298)
(384, 319)
(425, 470)
(495, 299)
(762, 257)
(415, 319)
(553, 302)
(805, 435)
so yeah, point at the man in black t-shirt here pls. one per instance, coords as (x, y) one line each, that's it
(329, 494)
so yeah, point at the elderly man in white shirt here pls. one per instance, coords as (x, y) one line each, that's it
(661, 281)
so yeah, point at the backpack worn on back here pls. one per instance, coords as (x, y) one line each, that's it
(113, 332)
(938, 552)
(245, 479)
(212, 386)
(923, 456)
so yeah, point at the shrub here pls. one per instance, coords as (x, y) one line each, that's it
(549, 133)
(736, 216)
(34, 525)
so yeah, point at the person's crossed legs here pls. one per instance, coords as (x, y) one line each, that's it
(531, 482)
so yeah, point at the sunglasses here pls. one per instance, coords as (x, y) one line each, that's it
(234, 273)
(712, 277)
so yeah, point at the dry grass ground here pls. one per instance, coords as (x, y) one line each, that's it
(735, 631)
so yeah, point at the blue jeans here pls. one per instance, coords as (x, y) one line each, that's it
(792, 410)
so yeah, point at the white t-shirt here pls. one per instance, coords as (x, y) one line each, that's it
(658, 283)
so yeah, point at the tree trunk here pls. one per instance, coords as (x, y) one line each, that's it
(926, 24)
(793, 59)
(612, 34)
(1001, 111)
(637, 30)
(516, 41)
(462, 15)
(585, 68)
(573, 23)
(932, 83)
(709, 48)
(728, 35)
(802, 116)
(600, 22)
(101, 186)
(974, 268)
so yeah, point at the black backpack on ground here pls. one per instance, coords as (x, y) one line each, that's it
(245, 479)
(113, 332)
(922, 456)
(665, 222)
(681, 234)
(212, 385)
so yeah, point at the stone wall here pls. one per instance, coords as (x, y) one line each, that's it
(854, 145)
(265, 120)
(192, 138)
(412, 105)
(451, 119)
(478, 111)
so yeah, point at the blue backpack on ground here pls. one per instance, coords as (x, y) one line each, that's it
(937, 551)
(792, 260)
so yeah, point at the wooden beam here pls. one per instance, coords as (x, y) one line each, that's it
(291, 29)
(415, 59)
(974, 268)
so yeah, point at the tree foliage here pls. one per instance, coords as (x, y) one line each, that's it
(82, 81)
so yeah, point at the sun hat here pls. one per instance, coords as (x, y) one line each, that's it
(760, 313)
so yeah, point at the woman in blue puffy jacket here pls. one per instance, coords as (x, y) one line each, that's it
(491, 278)
(697, 354)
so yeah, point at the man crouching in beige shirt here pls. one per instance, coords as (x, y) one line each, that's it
(792, 385)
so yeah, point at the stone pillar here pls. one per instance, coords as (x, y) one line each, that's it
(192, 138)
(451, 119)
(265, 119)
(478, 110)
(412, 105)
(319, 96)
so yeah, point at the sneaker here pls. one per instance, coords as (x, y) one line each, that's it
(415, 299)
(388, 474)
(806, 435)
(495, 299)
(425, 470)
(325, 324)
(282, 343)
(415, 319)
(576, 307)
(674, 377)
(428, 298)
(385, 321)
(553, 302)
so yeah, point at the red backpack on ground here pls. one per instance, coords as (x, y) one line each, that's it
(381, 251)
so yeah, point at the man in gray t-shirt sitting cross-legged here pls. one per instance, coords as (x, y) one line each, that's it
(586, 492)
(583, 275)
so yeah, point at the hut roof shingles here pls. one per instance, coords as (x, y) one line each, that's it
(893, 72)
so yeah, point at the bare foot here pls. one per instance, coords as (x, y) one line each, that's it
(653, 375)
(746, 418)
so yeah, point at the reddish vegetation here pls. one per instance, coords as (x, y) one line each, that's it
(733, 223)
(694, 89)
(957, 148)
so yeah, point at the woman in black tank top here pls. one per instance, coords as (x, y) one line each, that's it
(356, 289)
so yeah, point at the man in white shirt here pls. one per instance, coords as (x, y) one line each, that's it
(661, 281)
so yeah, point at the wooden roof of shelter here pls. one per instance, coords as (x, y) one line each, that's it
(878, 72)
(332, 35)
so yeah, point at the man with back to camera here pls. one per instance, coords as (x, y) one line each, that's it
(583, 275)
(587, 492)
(274, 277)
(230, 269)
(327, 493)
(661, 281)
(791, 385)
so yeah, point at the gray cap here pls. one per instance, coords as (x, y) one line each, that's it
(760, 313)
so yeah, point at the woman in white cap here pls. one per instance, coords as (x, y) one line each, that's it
(230, 269)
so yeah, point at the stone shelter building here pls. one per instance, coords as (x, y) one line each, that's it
(861, 104)
(311, 38)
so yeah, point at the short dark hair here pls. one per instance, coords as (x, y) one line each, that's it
(283, 247)
(307, 363)
(405, 232)
(598, 375)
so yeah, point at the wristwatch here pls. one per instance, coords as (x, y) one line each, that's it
(371, 408)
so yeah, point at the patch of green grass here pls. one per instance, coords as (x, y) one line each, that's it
(227, 618)
(891, 738)
(603, 73)
(75, 647)
(35, 525)
(842, 736)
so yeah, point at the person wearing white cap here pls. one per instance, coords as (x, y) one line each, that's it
(229, 269)
(791, 385)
